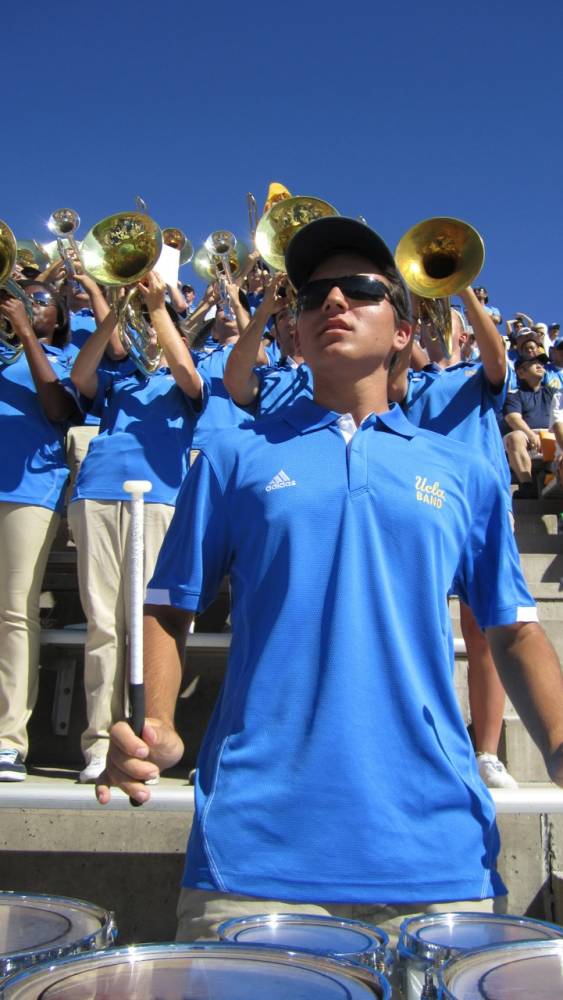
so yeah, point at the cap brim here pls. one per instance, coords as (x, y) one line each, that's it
(326, 237)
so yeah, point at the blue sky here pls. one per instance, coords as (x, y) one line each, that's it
(393, 112)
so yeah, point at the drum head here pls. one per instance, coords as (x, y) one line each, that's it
(517, 970)
(37, 926)
(195, 972)
(444, 934)
(324, 935)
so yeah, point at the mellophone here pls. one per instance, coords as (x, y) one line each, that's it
(46, 942)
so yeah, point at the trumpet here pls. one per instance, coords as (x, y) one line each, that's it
(438, 258)
(221, 257)
(62, 224)
(10, 346)
(176, 238)
(120, 250)
(282, 221)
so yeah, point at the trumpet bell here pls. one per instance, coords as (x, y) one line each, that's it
(206, 261)
(122, 248)
(176, 238)
(440, 256)
(282, 221)
(63, 222)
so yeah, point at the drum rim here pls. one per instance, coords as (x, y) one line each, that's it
(51, 951)
(508, 950)
(224, 949)
(410, 945)
(376, 934)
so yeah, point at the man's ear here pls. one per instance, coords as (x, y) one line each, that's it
(403, 334)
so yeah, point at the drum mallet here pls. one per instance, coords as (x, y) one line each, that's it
(137, 488)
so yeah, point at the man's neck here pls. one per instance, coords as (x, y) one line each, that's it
(360, 398)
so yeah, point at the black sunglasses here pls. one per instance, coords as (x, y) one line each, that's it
(353, 286)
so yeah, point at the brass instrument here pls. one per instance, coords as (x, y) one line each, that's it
(31, 256)
(63, 224)
(221, 258)
(10, 345)
(177, 239)
(282, 221)
(438, 258)
(120, 250)
(252, 214)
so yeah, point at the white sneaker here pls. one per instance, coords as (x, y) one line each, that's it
(93, 769)
(493, 772)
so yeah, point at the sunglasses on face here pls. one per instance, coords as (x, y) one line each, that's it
(42, 298)
(353, 286)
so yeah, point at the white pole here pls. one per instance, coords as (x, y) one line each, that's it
(137, 488)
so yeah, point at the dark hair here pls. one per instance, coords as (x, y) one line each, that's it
(61, 332)
(188, 288)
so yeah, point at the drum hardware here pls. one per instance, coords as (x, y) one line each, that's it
(437, 259)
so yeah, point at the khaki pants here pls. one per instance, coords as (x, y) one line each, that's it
(101, 532)
(26, 536)
(77, 443)
(200, 913)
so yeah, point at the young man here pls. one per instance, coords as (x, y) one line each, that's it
(337, 768)
(527, 412)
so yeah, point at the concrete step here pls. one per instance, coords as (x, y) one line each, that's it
(542, 567)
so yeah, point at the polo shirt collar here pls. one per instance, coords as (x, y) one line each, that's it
(306, 415)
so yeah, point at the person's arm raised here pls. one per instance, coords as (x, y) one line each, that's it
(58, 404)
(240, 378)
(84, 371)
(178, 357)
(489, 341)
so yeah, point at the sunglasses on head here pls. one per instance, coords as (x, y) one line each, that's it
(353, 286)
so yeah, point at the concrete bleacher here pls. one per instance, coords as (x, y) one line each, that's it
(54, 837)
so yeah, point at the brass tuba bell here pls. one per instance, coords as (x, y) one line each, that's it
(120, 250)
(282, 221)
(176, 238)
(10, 345)
(438, 258)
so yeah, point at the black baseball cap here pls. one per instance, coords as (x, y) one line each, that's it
(541, 358)
(328, 236)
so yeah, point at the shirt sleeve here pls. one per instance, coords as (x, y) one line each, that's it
(196, 552)
(513, 403)
(489, 577)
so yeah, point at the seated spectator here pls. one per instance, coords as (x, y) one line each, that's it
(556, 427)
(526, 412)
(554, 367)
(527, 344)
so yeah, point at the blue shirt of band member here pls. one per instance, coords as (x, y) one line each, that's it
(337, 765)
(282, 384)
(460, 403)
(219, 410)
(145, 433)
(34, 469)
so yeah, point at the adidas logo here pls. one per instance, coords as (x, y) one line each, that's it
(279, 482)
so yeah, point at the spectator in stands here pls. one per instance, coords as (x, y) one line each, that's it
(145, 433)
(266, 388)
(527, 344)
(188, 292)
(553, 331)
(556, 427)
(463, 400)
(337, 769)
(526, 413)
(36, 405)
(554, 367)
(482, 296)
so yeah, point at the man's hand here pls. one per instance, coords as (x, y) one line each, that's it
(14, 310)
(153, 290)
(133, 760)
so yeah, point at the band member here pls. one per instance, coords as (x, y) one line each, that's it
(337, 768)
(35, 409)
(146, 431)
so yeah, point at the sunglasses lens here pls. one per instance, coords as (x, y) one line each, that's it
(360, 287)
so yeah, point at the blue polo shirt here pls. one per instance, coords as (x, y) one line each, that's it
(461, 403)
(337, 766)
(145, 433)
(553, 376)
(533, 407)
(281, 385)
(219, 410)
(82, 324)
(34, 469)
